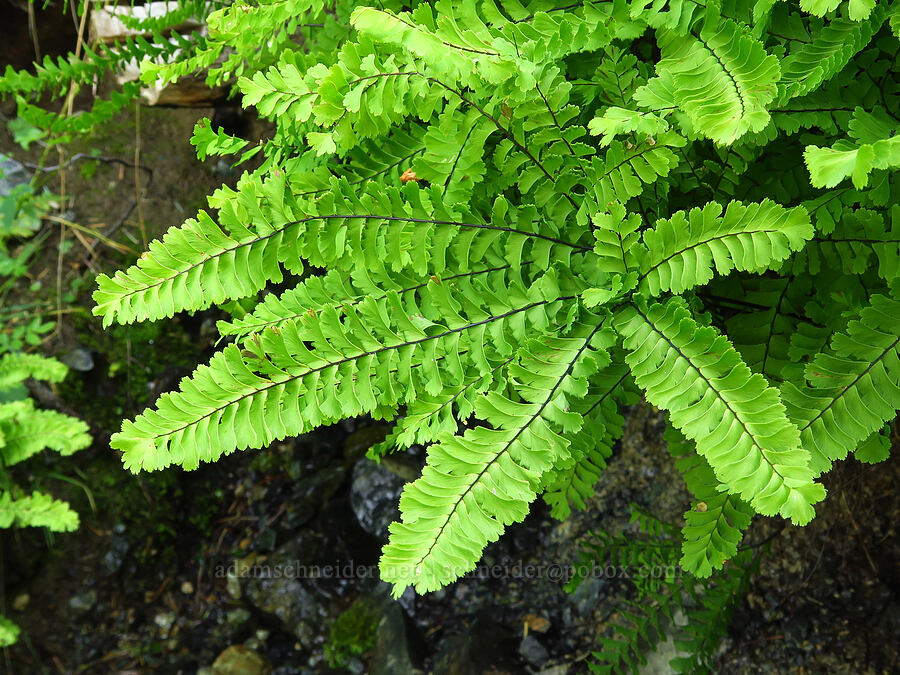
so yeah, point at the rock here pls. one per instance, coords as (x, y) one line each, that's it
(374, 496)
(534, 653)
(288, 600)
(118, 549)
(83, 601)
(391, 655)
(239, 660)
(187, 588)
(311, 491)
(586, 597)
(79, 358)
(21, 602)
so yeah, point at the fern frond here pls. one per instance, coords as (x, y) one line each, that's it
(321, 367)
(813, 63)
(715, 524)
(723, 80)
(28, 431)
(738, 423)
(16, 367)
(381, 231)
(682, 252)
(36, 510)
(829, 166)
(853, 390)
(570, 484)
(476, 484)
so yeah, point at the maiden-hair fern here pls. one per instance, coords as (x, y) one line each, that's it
(508, 220)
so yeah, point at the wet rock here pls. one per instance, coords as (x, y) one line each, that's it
(374, 496)
(587, 596)
(118, 549)
(534, 653)
(79, 359)
(558, 669)
(392, 653)
(239, 660)
(288, 600)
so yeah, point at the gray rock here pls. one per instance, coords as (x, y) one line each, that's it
(311, 491)
(374, 496)
(391, 655)
(115, 556)
(79, 359)
(288, 600)
(533, 651)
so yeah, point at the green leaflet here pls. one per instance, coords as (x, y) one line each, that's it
(37, 510)
(9, 632)
(829, 166)
(738, 423)
(857, 9)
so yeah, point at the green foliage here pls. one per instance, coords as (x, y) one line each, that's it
(25, 431)
(509, 220)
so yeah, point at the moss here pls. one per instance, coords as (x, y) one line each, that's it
(352, 634)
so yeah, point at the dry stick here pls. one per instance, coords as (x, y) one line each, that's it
(122, 248)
